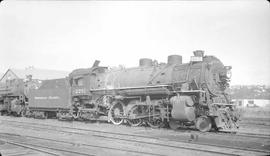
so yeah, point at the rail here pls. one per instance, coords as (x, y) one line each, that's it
(203, 147)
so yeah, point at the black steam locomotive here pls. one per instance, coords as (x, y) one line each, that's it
(14, 95)
(173, 93)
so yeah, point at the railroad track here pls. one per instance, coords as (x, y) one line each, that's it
(221, 133)
(34, 148)
(59, 150)
(240, 134)
(262, 136)
(38, 147)
(203, 147)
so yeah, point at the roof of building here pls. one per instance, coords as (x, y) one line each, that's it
(41, 74)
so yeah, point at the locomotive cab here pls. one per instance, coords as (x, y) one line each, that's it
(80, 85)
(83, 100)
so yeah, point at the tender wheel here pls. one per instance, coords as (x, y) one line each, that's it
(116, 113)
(203, 124)
(132, 114)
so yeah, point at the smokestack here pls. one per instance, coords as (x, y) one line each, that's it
(96, 63)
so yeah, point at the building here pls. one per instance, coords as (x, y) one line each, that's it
(32, 73)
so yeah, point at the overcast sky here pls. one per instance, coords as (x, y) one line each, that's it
(69, 35)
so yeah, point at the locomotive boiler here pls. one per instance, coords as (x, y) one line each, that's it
(174, 93)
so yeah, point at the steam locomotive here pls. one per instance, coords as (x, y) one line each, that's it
(176, 94)
(14, 95)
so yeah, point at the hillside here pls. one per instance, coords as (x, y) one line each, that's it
(250, 92)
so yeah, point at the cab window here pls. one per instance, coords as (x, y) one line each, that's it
(78, 81)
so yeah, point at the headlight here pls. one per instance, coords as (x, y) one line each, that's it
(228, 71)
(229, 74)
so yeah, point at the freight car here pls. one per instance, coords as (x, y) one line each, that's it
(175, 94)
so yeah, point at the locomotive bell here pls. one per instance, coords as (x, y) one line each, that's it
(174, 59)
(146, 62)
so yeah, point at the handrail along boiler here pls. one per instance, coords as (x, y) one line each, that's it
(173, 93)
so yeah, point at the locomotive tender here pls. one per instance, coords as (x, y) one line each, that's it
(51, 98)
(175, 94)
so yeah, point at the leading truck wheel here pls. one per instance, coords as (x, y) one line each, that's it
(203, 124)
(116, 113)
(174, 124)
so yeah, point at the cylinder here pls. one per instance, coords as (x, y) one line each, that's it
(182, 109)
(174, 59)
(198, 53)
(146, 62)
